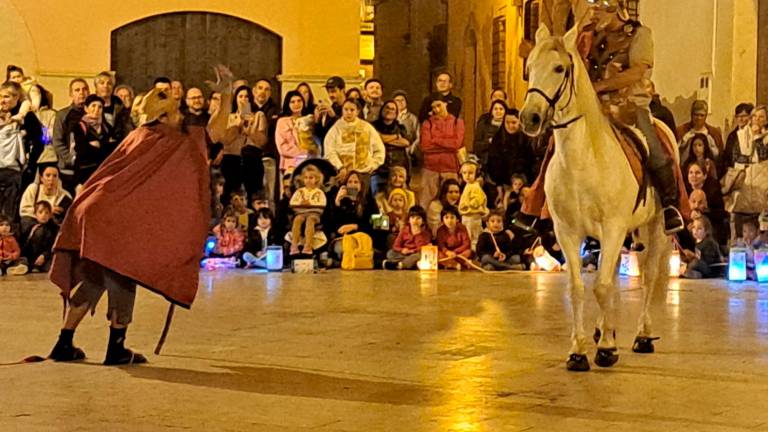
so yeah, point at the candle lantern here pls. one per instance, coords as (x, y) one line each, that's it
(761, 264)
(428, 261)
(674, 264)
(274, 258)
(737, 264)
(629, 265)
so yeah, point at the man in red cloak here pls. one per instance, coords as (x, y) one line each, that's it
(112, 237)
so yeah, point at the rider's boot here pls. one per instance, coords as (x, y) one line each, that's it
(663, 179)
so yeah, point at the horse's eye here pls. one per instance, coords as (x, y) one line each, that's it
(559, 69)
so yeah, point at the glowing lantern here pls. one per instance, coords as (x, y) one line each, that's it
(737, 264)
(545, 261)
(761, 264)
(629, 265)
(428, 261)
(674, 264)
(274, 258)
(210, 245)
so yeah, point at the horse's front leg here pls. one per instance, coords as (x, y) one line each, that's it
(606, 292)
(577, 359)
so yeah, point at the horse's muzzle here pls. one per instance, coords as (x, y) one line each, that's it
(532, 122)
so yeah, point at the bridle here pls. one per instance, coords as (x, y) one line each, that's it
(568, 83)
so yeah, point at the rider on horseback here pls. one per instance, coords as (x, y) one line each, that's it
(619, 62)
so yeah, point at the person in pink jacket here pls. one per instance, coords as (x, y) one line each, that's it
(293, 133)
(442, 136)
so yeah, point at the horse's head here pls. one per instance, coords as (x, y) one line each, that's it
(550, 85)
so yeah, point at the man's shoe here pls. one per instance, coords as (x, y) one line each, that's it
(123, 356)
(389, 265)
(64, 352)
(673, 221)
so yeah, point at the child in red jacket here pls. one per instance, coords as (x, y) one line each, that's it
(230, 239)
(9, 250)
(406, 252)
(453, 240)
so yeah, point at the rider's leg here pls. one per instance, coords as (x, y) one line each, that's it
(662, 174)
(534, 201)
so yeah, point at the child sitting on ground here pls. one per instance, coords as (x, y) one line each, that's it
(751, 241)
(242, 213)
(39, 245)
(260, 237)
(473, 204)
(495, 247)
(406, 251)
(398, 214)
(307, 203)
(707, 251)
(230, 238)
(9, 250)
(453, 240)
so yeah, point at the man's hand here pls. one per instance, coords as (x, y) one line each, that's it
(224, 78)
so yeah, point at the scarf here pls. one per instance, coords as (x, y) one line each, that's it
(93, 123)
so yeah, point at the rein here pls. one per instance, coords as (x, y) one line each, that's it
(568, 83)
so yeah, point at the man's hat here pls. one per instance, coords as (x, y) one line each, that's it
(335, 82)
(156, 104)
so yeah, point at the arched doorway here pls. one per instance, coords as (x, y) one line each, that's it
(186, 45)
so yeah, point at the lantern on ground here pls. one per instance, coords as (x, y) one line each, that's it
(274, 258)
(674, 264)
(629, 264)
(761, 264)
(428, 261)
(737, 264)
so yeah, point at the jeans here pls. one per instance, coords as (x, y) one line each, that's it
(407, 261)
(270, 181)
(512, 262)
(10, 181)
(657, 157)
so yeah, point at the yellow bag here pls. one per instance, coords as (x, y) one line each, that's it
(357, 252)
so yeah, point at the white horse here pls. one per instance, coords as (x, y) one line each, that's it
(591, 191)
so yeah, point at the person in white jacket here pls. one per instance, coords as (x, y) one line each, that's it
(352, 144)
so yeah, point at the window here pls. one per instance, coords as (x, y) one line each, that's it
(632, 8)
(499, 53)
(531, 19)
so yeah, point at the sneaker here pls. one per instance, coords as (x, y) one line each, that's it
(389, 265)
(673, 221)
(18, 270)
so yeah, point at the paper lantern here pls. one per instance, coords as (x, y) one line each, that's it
(428, 261)
(761, 264)
(674, 264)
(629, 264)
(545, 261)
(737, 264)
(303, 266)
(274, 258)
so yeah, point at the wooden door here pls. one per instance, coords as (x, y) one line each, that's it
(186, 45)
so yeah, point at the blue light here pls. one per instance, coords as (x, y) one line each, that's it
(737, 264)
(761, 265)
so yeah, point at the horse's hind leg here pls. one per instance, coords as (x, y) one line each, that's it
(655, 277)
(606, 293)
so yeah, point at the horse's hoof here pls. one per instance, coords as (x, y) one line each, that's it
(644, 345)
(577, 363)
(606, 357)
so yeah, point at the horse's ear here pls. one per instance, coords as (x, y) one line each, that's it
(571, 37)
(542, 33)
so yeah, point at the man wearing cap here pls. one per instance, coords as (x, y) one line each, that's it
(327, 112)
(699, 125)
(141, 218)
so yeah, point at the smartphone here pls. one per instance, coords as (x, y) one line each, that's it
(353, 192)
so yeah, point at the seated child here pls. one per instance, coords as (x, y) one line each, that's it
(707, 251)
(751, 241)
(495, 247)
(9, 250)
(406, 251)
(242, 213)
(308, 203)
(230, 238)
(473, 204)
(38, 248)
(398, 213)
(261, 235)
(217, 208)
(398, 177)
(453, 240)
(513, 200)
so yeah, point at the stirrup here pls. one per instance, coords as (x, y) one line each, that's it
(673, 220)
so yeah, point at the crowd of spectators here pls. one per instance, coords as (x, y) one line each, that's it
(303, 174)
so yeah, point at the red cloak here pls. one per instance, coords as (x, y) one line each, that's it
(143, 214)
